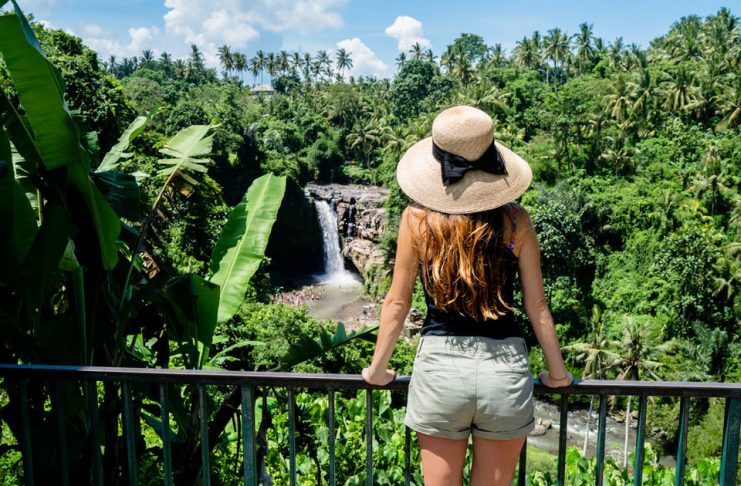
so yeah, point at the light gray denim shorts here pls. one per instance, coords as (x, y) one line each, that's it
(471, 384)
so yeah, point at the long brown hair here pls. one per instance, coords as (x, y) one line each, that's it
(462, 262)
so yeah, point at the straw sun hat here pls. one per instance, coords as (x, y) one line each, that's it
(461, 169)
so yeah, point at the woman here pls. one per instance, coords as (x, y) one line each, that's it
(471, 373)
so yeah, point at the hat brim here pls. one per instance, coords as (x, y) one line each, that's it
(420, 177)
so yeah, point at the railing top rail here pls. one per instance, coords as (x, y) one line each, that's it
(343, 381)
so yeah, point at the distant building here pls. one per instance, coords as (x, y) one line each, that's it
(263, 90)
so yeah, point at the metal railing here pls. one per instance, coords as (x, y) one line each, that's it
(249, 382)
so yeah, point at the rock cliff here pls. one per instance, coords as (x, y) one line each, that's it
(361, 220)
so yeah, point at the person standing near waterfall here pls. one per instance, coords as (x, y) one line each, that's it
(468, 239)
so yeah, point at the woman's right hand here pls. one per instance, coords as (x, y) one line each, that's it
(546, 379)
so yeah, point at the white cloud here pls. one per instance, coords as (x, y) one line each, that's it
(364, 60)
(237, 22)
(407, 31)
(140, 38)
(93, 30)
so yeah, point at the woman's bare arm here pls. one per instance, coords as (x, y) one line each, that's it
(536, 305)
(396, 304)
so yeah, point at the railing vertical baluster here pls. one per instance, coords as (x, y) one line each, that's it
(522, 465)
(166, 446)
(129, 432)
(368, 437)
(248, 436)
(602, 421)
(27, 444)
(640, 439)
(562, 432)
(205, 452)
(729, 454)
(330, 402)
(292, 435)
(684, 409)
(407, 454)
(92, 403)
(61, 434)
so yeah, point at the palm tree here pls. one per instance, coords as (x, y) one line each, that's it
(112, 65)
(416, 51)
(255, 69)
(595, 354)
(260, 57)
(147, 58)
(226, 59)
(429, 55)
(712, 179)
(363, 137)
(638, 354)
(556, 45)
(729, 103)
(240, 64)
(343, 61)
(616, 52)
(283, 62)
(322, 63)
(583, 45)
(680, 92)
(400, 60)
(307, 64)
(496, 55)
(618, 100)
(295, 62)
(525, 53)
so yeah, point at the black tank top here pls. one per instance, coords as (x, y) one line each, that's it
(442, 323)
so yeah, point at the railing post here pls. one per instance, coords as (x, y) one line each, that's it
(729, 455)
(248, 436)
(601, 439)
(129, 432)
(368, 437)
(58, 403)
(407, 453)
(562, 433)
(92, 401)
(640, 440)
(522, 470)
(27, 444)
(166, 446)
(291, 435)
(330, 403)
(205, 450)
(684, 410)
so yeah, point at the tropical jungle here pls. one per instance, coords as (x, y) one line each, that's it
(152, 208)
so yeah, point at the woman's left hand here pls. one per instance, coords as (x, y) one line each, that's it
(379, 379)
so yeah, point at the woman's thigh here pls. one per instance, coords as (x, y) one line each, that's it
(494, 461)
(442, 460)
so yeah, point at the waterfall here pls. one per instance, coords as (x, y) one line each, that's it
(334, 262)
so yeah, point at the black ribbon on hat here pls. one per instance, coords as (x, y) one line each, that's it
(454, 167)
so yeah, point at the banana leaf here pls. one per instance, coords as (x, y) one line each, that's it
(117, 152)
(305, 348)
(185, 148)
(41, 90)
(121, 191)
(56, 137)
(194, 303)
(17, 219)
(42, 263)
(241, 246)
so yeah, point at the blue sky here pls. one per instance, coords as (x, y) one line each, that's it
(374, 31)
